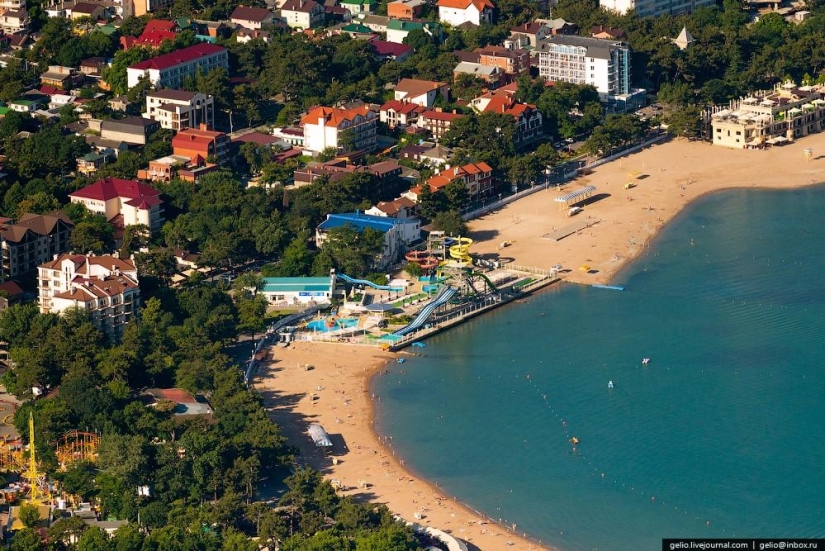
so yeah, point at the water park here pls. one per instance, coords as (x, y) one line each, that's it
(452, 285)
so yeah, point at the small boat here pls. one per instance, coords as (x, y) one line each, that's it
(645, 361)
(574, 440)
(400, 360)
(611, 287)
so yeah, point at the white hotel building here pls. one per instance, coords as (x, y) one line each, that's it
(179, 109)
(603, 64)
(170, 70)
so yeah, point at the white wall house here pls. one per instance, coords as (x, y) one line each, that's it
(324, 127)
(458, 12)
(170, 70)
(134, 202)
(179, 109)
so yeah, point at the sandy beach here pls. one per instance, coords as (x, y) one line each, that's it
(666, 176)
(335, 392)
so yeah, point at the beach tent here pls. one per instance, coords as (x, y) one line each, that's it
(319, 436)
(575, 197)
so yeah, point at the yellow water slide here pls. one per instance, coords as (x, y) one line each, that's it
(460, 252)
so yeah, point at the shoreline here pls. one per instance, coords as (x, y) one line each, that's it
(344, 375)
(671, 176)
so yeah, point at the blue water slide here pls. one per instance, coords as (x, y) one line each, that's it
(348, 279)
(441, 298)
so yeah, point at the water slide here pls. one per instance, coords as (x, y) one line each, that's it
(487, 279)
(368, 283)
(446, 293)
(460, 253)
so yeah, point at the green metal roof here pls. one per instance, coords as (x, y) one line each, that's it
(296, 284)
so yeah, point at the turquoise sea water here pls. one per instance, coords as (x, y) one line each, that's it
(721, 435)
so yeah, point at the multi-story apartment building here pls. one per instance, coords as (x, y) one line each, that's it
(345, 130)
(170, 70)
(603, 64)
(34, 239)
(529, 126)
(200, 144)
(477, 177)
(512, 62)
(646, 8)
(771, 117)
(104, 286)
(13, 16)
(179, 109)
(124, 202)
(437, 122)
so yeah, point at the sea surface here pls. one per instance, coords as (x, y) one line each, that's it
(722, 434)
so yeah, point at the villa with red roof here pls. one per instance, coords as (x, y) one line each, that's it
(437, 122)
(104, 286)
(123, 202)
(477, 177)
(458, 12)
(400, 113)
(153, 35)
(341, 129)
(170, 70)
(528, 119)
(201, 145)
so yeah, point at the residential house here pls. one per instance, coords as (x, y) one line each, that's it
(293, 135)
(200, 144)
(490, 74)
(13, 17)
(179, 109)
(511, 62)
(359, 6)
(477, 177)
(413, 152)
(302, 14)
(344, 130)
(397, 29)
(406, 9)
(398, 233)
(153, 35)
(132, 130)
(607, 33)
(458, 12)
(401, 114)
(61, 77)
(123, 202)
(529, 34)
(420, 92)
(243, 35)
(164, 169)
(104, 286)
(24, 105)
(34, 239)
(251, 18)
(119, 103)
(436, 156)
(376, 23)
(390, 51)
(357, 30)
(91, 162)
(403, 208)
(437, 122)
(93, 66)
(529, 126)
(91, 10)
(170, 70)
(10, 294)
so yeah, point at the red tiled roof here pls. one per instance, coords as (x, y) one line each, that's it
(384, 48)
(178, 57)
(258, 138)
(402, 107)
(333, 116)
(109, 188)
(440, 115)
(155, 25)
(464, 4)
(11, 288)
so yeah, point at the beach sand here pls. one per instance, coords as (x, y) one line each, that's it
(339, 380)
(670, 175)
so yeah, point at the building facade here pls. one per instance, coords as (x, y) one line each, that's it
(603, 64)
(200, 144)
(130, 201)
(345, 130)
(458, 12)
(179, 109)
(648, 8)
(773, 117)
(34, 239)
(398, 233)
(302, 14)
(170, 70)
(104, 286)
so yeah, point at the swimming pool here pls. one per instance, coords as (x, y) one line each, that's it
(429, 288)
(332, 324)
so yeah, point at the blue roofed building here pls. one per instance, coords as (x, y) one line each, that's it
(398, 233)
(298, 291)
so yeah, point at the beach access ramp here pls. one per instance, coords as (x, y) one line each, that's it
(369, 283)
(446, 293)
